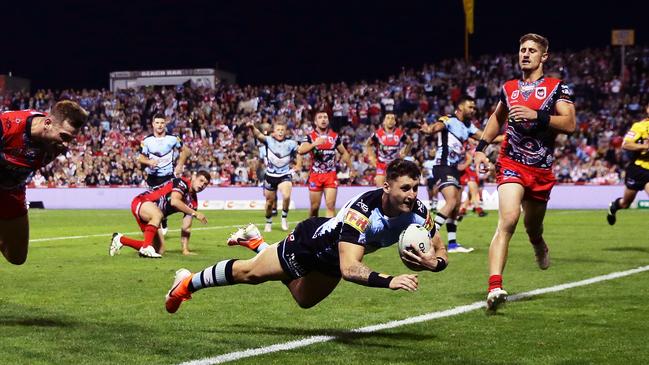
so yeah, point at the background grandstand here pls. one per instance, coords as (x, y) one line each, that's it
(210, 121)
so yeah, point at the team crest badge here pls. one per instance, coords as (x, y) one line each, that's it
(540, 92)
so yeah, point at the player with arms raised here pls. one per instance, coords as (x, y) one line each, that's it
(323, 143)
(390, 143)
(320, 251)
(279, 151)
(29, 140)
(534, 110)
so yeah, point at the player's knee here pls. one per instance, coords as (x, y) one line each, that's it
(305, 304)
(508, 221)
(16, 259)
(534, 231)
(247, 275)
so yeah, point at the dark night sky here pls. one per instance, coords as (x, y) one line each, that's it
(62, 44)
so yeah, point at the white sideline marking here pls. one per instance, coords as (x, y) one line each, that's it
(233, 356)
(129, 233)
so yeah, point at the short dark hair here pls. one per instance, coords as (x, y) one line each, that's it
(538, 39)
(158, 116)
(71, 112)
(463, 99)
(205, 174)
(401, 167)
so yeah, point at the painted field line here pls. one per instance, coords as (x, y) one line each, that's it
(291, 345)
(131, 233)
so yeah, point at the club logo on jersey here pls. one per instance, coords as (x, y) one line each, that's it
(540, 92)
(515, 94)
(357, 220)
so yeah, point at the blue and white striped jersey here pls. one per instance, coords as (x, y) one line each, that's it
(450, 141)
(278, 156)
(165, 150)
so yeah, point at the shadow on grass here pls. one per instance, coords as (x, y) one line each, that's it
(628, 249)
(341, 336)
(36, 322)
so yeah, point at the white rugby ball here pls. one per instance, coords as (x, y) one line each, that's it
(417, 234)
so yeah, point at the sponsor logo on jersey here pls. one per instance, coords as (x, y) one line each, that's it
(515, 94)
(420, 206)
(429, 223)
(507, 173)
(357, 220)
(363, 206)
(630, 135)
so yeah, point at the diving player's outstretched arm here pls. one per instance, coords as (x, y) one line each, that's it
(354, 270)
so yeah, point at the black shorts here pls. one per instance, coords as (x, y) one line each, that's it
(430, 182)
(298, 258)
(153, 181)
(271, 182)
(446, 175)
(636, 177)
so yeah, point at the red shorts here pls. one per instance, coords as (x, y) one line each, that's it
(320, 181)
(537, 182)
(380, 168)
(13, 203)
(135, 209)
(469, 175)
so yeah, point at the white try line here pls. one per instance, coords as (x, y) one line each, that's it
(233, 356)
(130, 233)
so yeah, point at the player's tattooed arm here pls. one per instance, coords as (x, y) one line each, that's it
(351, 266)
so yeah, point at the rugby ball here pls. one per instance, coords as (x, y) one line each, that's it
(417, 234)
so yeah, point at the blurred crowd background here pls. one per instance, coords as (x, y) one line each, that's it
(608, 98)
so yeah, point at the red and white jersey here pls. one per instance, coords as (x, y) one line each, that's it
(323, 157)
(162, 195)
(19, 157)
(388, 144)
(524, 141)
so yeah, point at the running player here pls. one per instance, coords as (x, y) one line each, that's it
(151, 207)
(534, 110)
(278, 154)
(636, 141)
(320, 251)
(452, 132)
(159, 151)
(323, 143)
(473, 182)
(29, 140)
(390, 143)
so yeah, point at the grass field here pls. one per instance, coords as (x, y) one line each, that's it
(73, 304)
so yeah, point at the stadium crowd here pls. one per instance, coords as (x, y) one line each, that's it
(211, 121)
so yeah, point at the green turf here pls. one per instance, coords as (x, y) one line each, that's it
(72, 304)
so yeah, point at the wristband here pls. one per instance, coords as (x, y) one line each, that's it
(377, 280)
(542, 119)
(441, 264)
(481, 145)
